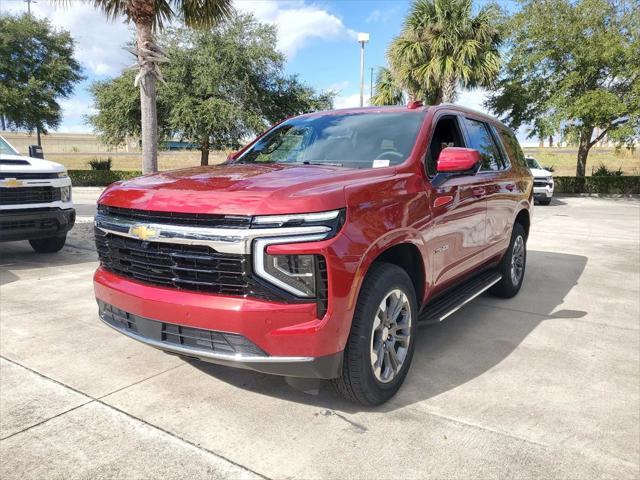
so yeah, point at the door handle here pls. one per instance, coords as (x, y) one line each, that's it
(478, 191)
(510, 186)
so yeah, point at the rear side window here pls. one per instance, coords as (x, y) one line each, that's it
(480, 139)
(511, 146)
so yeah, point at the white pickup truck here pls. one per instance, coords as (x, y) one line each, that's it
(35, 200)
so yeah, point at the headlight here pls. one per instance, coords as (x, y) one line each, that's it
(294, 273)
(333, 219)
(65, 193)
(63, 174)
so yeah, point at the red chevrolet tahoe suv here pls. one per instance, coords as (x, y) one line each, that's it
(318, 249)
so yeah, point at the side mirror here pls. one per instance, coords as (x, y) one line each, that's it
(35, 151)
(458, 160)
(232, 155)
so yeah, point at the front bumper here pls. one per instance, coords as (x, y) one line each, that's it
(289, 338)
(216, 347)
(543, 192)
(30, 224)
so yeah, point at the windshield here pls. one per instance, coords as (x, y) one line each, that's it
(354, 140)
(6, 149)
(533, 163)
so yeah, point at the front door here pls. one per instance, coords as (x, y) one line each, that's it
(456, 238)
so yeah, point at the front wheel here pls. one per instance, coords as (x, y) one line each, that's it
(382, 339)
(512, 265)
(49, 244)
(545, 201)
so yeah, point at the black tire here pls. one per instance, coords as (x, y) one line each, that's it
(48, 245)
(358, 382)
(507, 287)
(545, 201)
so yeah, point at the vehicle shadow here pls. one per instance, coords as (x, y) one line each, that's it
(17, 256)
(449, 354)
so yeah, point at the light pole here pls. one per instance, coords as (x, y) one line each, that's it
(362, 38)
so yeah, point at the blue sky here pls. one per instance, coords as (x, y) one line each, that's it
(317, 37)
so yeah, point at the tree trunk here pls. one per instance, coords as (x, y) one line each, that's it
(38, 136)
(550, 140)
(149, 120)
(449, 90)
(583, 150)
(4, 126)
(204, 153)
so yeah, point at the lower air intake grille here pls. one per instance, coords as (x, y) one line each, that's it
(195, 338)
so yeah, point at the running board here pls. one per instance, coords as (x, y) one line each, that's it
(452, 301)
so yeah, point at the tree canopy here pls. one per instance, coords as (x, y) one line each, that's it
(222, 85)
(573, 65)
(443, 46)
(37, 69)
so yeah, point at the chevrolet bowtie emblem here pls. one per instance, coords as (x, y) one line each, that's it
(12, 183)
(143, 232)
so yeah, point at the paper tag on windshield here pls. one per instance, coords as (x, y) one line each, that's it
(380, 163)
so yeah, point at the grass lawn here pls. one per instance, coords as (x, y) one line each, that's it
(563, 160)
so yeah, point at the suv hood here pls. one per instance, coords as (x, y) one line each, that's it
(8, 164)
(540, 172)
(240, 189)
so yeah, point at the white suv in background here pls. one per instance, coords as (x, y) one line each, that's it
(542, 182)
(35, 200)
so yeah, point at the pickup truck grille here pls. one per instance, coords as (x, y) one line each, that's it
(28, 175)
(22, 195)
(190, 267)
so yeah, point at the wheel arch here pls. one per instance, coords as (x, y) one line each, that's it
(404, 251)
(523, 218)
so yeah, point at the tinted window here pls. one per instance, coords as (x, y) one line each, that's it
(446, 134)
(480, 139)
(357, 140)
(511, 145)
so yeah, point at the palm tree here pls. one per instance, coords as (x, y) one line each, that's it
(148, 16)
(387, 91)
(443, 46)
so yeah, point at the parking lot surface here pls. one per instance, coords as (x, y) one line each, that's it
(545, 385)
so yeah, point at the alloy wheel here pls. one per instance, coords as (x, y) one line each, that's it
(391, 336)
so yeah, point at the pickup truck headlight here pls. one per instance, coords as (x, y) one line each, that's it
(65, 193)
(63, 174)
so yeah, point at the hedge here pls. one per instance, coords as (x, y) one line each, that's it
(608, 185)
(623, 185)
(100, 178)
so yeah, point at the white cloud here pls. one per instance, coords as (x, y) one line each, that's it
(351, 100)
(297, 22)
(381, 16)
(99, 41)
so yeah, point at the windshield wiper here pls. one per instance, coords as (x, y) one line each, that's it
(328, 164)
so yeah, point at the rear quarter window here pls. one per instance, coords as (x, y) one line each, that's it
(511, 146)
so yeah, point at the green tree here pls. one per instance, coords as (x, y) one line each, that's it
(150, 15)
(574, 64)
(443, 47)
(221, 86)
(37, 69)
(387, 91)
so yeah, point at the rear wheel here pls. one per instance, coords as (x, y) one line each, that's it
(49, 244)
(512, 265)
(381, 343)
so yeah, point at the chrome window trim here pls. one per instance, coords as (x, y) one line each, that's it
(260, 249)
(223, 240)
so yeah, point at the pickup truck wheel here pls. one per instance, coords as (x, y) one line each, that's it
(381, 343)
(49, 244)
(512, 265)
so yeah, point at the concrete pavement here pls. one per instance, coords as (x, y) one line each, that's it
(545, 385)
